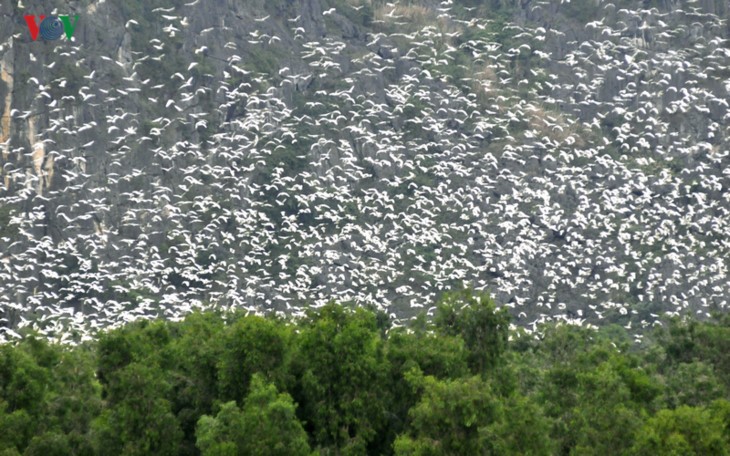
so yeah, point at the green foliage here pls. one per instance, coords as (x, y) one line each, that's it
(48, 397)
(438, 356)
(222, 435)
(475, 319)
(135, 342)
(264, 60)
(22, 380)
(692, 384)
(525, 429)
(140, 420)
(683, 431)
(250, 345)
(266, 426)
(73, 75)
(452, 417)
(75, 401)
(271, 425)
(339, 364)
(16, 428)
(6, 229)
(596, 395)
(48, 444)
(694, 341)
(604, 418)
(582, 12)
(343, 382)
(195, 351)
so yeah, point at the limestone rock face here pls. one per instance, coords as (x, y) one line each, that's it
(569, 157)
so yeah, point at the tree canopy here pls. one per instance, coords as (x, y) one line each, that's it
(343, 381)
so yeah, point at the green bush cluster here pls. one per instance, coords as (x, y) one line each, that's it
(7, 229)
(344, 381)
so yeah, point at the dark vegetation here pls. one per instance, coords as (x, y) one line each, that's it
(344, 381)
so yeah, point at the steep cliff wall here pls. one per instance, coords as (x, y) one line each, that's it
(570, 157)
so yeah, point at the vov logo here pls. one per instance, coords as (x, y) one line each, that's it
(51, 27)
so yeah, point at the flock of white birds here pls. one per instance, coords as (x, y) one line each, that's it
(379, 173)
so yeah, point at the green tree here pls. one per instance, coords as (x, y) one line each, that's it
(195, 352)
(74, 401)
(341, 370)
(23, 382)
(720, 410)
(440, 356)
(23, 394)
(596, 395)
(525, 430)
(266, 426)
(49, 444)
(709, 342)
(223, 434)
(468, 416)
(139, 341)
(16, 428)
(453, 417)
(139, 420)
(475, 318)
(604, 420)
(692, 384)
(252, 344)
(272, 427)
(683, 431)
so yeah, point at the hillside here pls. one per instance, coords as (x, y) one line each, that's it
(571, 158)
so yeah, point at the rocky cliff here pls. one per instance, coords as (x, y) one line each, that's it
(569, 157)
